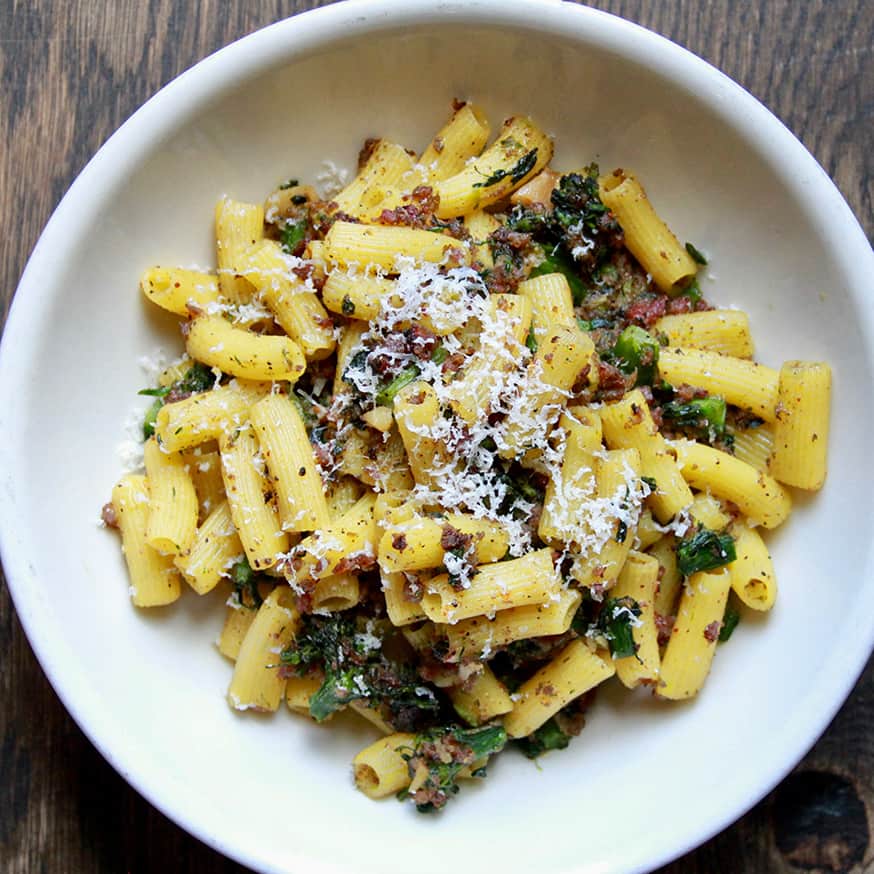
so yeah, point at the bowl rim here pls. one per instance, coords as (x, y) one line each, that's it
(284, 41)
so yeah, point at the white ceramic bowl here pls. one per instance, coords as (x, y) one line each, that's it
(645, 782)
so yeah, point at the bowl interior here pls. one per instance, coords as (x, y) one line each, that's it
(277, 792)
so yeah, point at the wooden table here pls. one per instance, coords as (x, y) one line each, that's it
(72, 71)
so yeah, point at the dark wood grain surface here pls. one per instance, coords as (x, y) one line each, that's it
(71, 71)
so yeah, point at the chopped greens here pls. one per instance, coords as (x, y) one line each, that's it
(729, 622)
(245, 583)
(438, 756)
(349, 652)
(616, 622)
(705, 550)
(557, 262)
(696, 255)
(386, 395)
(517, 173)
(704, 414)
(638, 350)
(197, 378)
(292, 236)
(548, 737)
(289, 183)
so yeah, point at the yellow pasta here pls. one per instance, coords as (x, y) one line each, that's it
(752, 573)
(519, 582)
(551, 302)
(802, 426)
(291, 465)
(520, 152)
(760, 497)
(485, 699)
(255, 518)
(575, 670)
(295, 307)
(381, 769)
(745, 384)
(628, 424)
(257, 683)
(215, 548)
(464, 136)
(237, 622)
(174, 289)
(724, 331)
(154, 581)
(688, 656)
(754, 445)
(218, 343)
(648, 238)
(382, 245)
(238, 226)
(172, 501)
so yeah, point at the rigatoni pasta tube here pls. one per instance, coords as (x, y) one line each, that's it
(480, 636)
(519, 582)
(462, 137)
(551, 302)
(760, 497)
(506, 324)
(237, 622)
(629, 424)
(687, 659)
(386, 164)
(418, 543)
(238, 226)
(336, 592)
(802, 426)
(381, 770)
(215, 547)
(172, 500)
(574, 671)
(562, 355)
(723, 331)
(357, 295)
(333, 547)
(255, 518)
(295, 307)
(174, 288)
(258, 684)
(521, 151)
(205, 416)
(742, 383)
(216, 342)
(288, 453)
(752, 573)
(647, 237)
(401, 610)
(483, 700)
(670, 578)
(381, 245)
(154, 581)
(638, 581)
(416, 410)
(754, 444)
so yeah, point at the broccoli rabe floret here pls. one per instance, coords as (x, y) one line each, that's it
(438, 756)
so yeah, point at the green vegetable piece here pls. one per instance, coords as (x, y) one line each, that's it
(531, 340)
(556, 261)
(246, 583)
(444, 752)
(151, 417)
(548, 737)
(289, 183)
(386, 395)
(616, 621)
(729, 623)
(696, 255)
(706, 414)
(635, 349)
(692, 291)
(517, 173)
(348, 307)
(292, 235)
(705, 550)
(439, 355)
